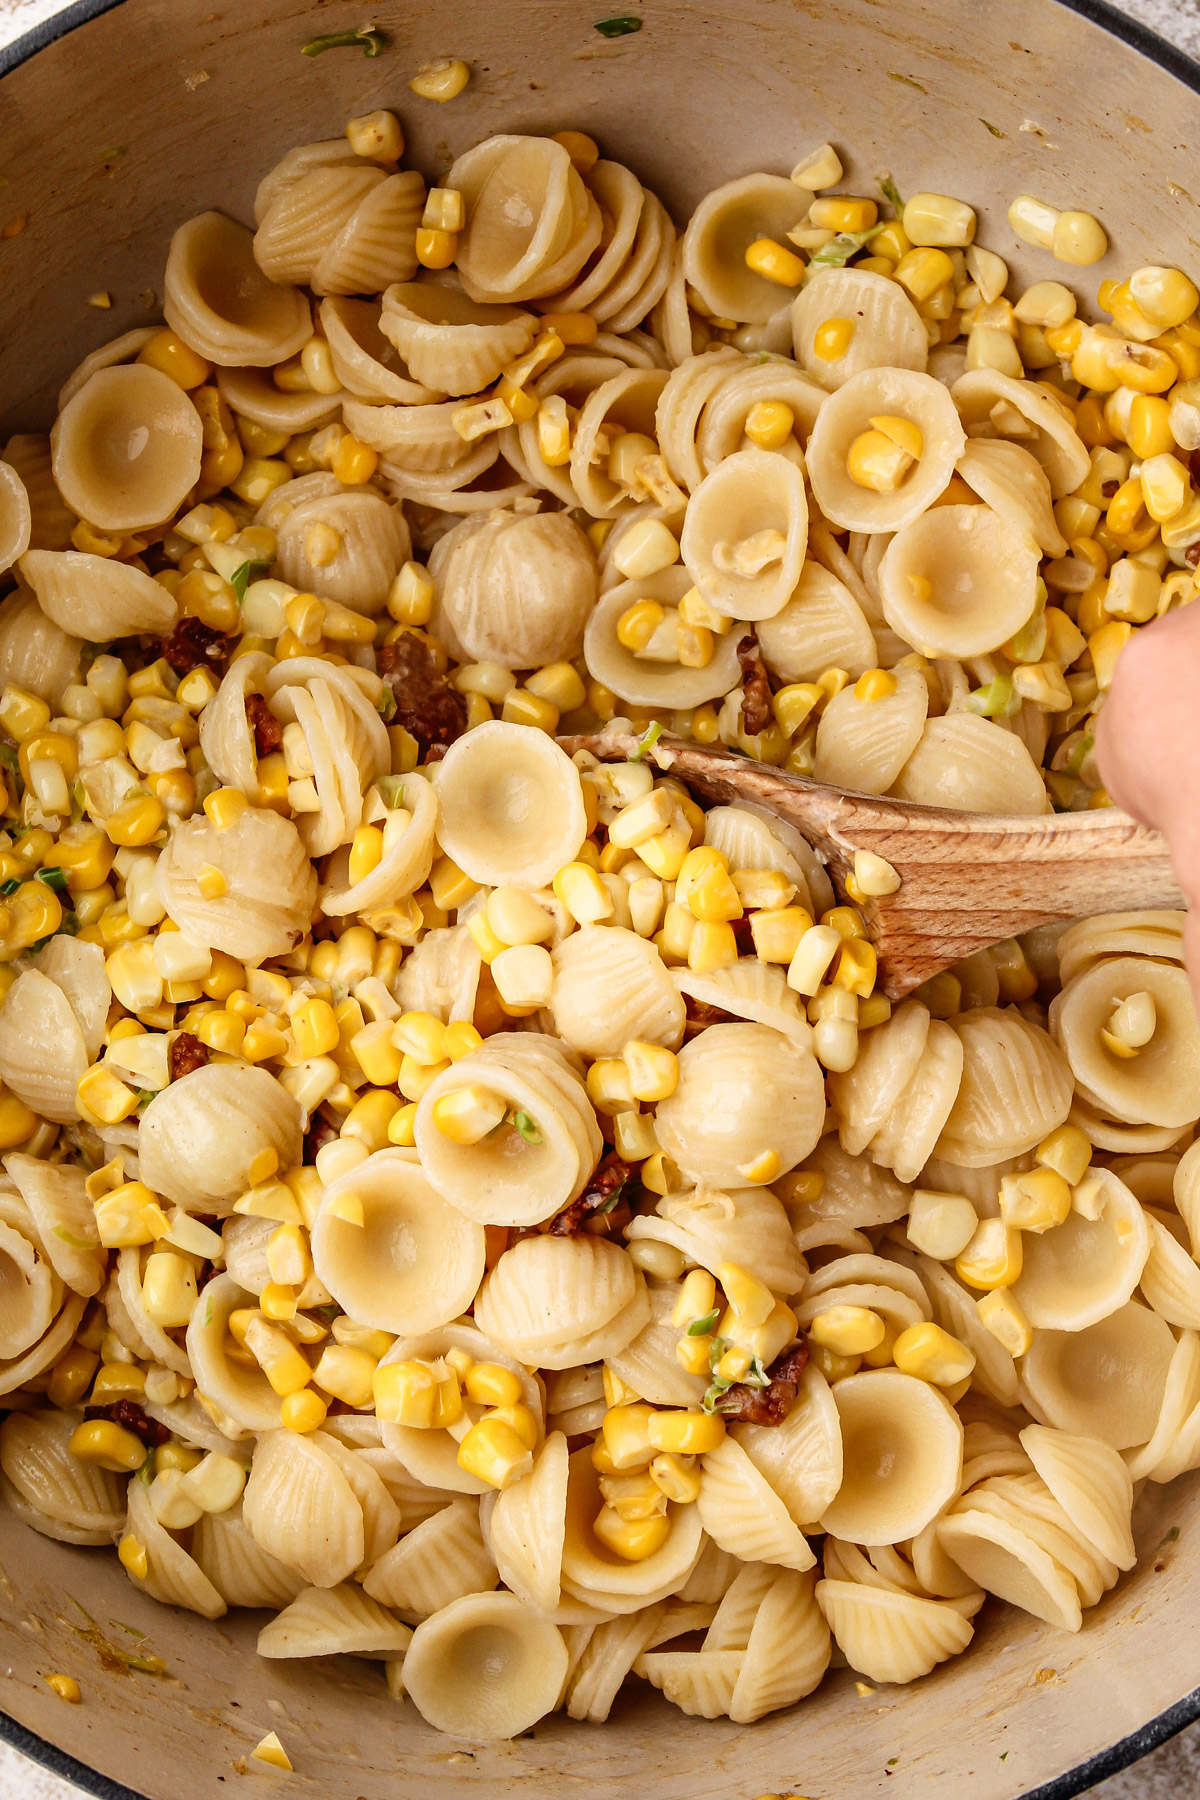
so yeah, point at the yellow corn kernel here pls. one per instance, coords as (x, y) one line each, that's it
(354, 463)
(410, 597)
(709, 893)
(876, 461)
(842, 212)
(304, 1411)
(993, 1258)
(66, 1687)
(366, 852)
(416, 1078)
(171, 356)
(1105, 360)
(832, 339)
(466, 1115)
(71, 1376)
(278, 1301)
(1104, 646)
(848, 1330)
(276, 1355)
(405, 1394)
(812, 957)
(224, 807)
(653, 1071)
(314, 1028)
(664, 852)
(691, 1433)
(421, 1036)
(626, 1432)
(493, 1452)
(771, 260)
(131, 1554)
(519, 1418)
(931, 1354)
(1078, 238)
(168, 1289)
(369, 1118)
(922, 272)
(777, 934)
(560, 684)
(118, 1381)
(263, 1041)
(106, 1098)
(711, 946)
(1000, 1314)
(633, 1540)
(449, 886)
(22, 714)
(347, 1374)
(769, 424)
(1067, 1151)
(735, 1364)
(937, 219)
(874, 876)
(272, 1752)
(692, 1353)
(1035, 1201)
(17, 1122)
(1148, 430)
(129, 1216)
(584, 153)
(491, 1384)
(136, 822)
(109, 1445)
(583, 893)
(856, 967)
(375, 1053)
(442, 79)
(750, 1298)
(679, 1481)
(524, 708)
(646, 548)
(695, 1299)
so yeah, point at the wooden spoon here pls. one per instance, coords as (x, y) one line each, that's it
(967, 880)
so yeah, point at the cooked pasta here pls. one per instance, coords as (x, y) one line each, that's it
(471, 1200)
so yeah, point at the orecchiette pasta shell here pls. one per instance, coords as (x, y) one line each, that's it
(1156, 934)
(712, 1226)
(377, 244)
(1175, 1441)
(857, 1194)
(954, 1309)
(402, 868)
(864, 744)
(802, 1458)
(749, 496)
(16, 519)
(1106, 1381)
(753, 838)
(1013, 483)
(753, 990)
(712, 1576)
(421, 441)
(1007, 1562)
(682, 403)
(485, 1667)
(163, 1348)
(51, 519)
(741, 1511)
(301, 1509)
(888, 1058)
(521, 213)
(627, 402)
(95, 598)
(253, 395)
(60, 1495)
(338, 1621)
(742, 1089)
(639, 680)
(1161, 1084)
(367, 365)
(901, 393)
(788, 1651)
(528, 1526)
(699, 1684)
(1085, 1269)
(888, 331)
(172, 1577)
(441, 975)
(373, 544)
(327, 153)
(1091, 1483)
(42, 1053)
(200, 1136)
(593, 1573)
(970, 765)
(123, 349)
(862, 1279)
(344, 736)
(608, 1657)
(902, 1449)
(78, 969)
(1171, 1279)
(720, 231)
(722, 428)
(17, 1370)
(431, 1457)
(440, 1560)
(821, 627)
(649, 1364)
(510, 804)
(35, 653)
(959, 581)
(219, 301)
(64, 1217)
(305, 216)
(548, 1291)
(1049, 432)
(449, 341)
(513, 588)
(610, 986)
(890, 1636)
(413, 1264)
(240, 1570)
(733, 1622)
(226, 736)
(126, 449)
(271, 884)
(1015, 1088)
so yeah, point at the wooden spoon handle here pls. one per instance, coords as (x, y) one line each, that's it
(967, 880)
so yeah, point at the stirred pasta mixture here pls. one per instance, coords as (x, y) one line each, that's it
(462, 1197)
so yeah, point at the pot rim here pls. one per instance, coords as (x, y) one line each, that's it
(1163, 1725)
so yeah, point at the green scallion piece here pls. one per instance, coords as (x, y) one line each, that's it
(624, 25)
(525, 1125)
(891, 192)
(244, 574)
(647, 741)
(702, 1327)
(839, 250)
(53, 878)
(369, 40)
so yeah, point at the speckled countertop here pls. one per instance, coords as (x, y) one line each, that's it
(1171, 1773)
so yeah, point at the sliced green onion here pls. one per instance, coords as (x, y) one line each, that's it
(244, 574)
(891, 192)
(53, 878)
(9, 887)
(840, 249)
(524, 1124)
(385, 706)
(717, 1388)
(702, 1327)
(371, 41)
(622, 26)
(647, 741)
(997, 700)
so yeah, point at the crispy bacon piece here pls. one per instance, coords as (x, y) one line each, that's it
(186, 1054)
(756, 689)
(195, 645)
(772, 1404)
(268, 732)
(320, 1132)
(603, 1190)
(130, 1415)
(700, 1015)
(426, 704)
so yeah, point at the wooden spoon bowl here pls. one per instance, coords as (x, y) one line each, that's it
(967, 880)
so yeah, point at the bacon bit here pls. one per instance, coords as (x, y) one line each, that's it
(700, 1015)
(195, 645)
(1192, 554)
(268, 732)
(772, 1404)
(320, 1132)
(129, 1414)
(426, 705)
(603, 1190)
(1109, 488)
(756, 689)
(186, 1054)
